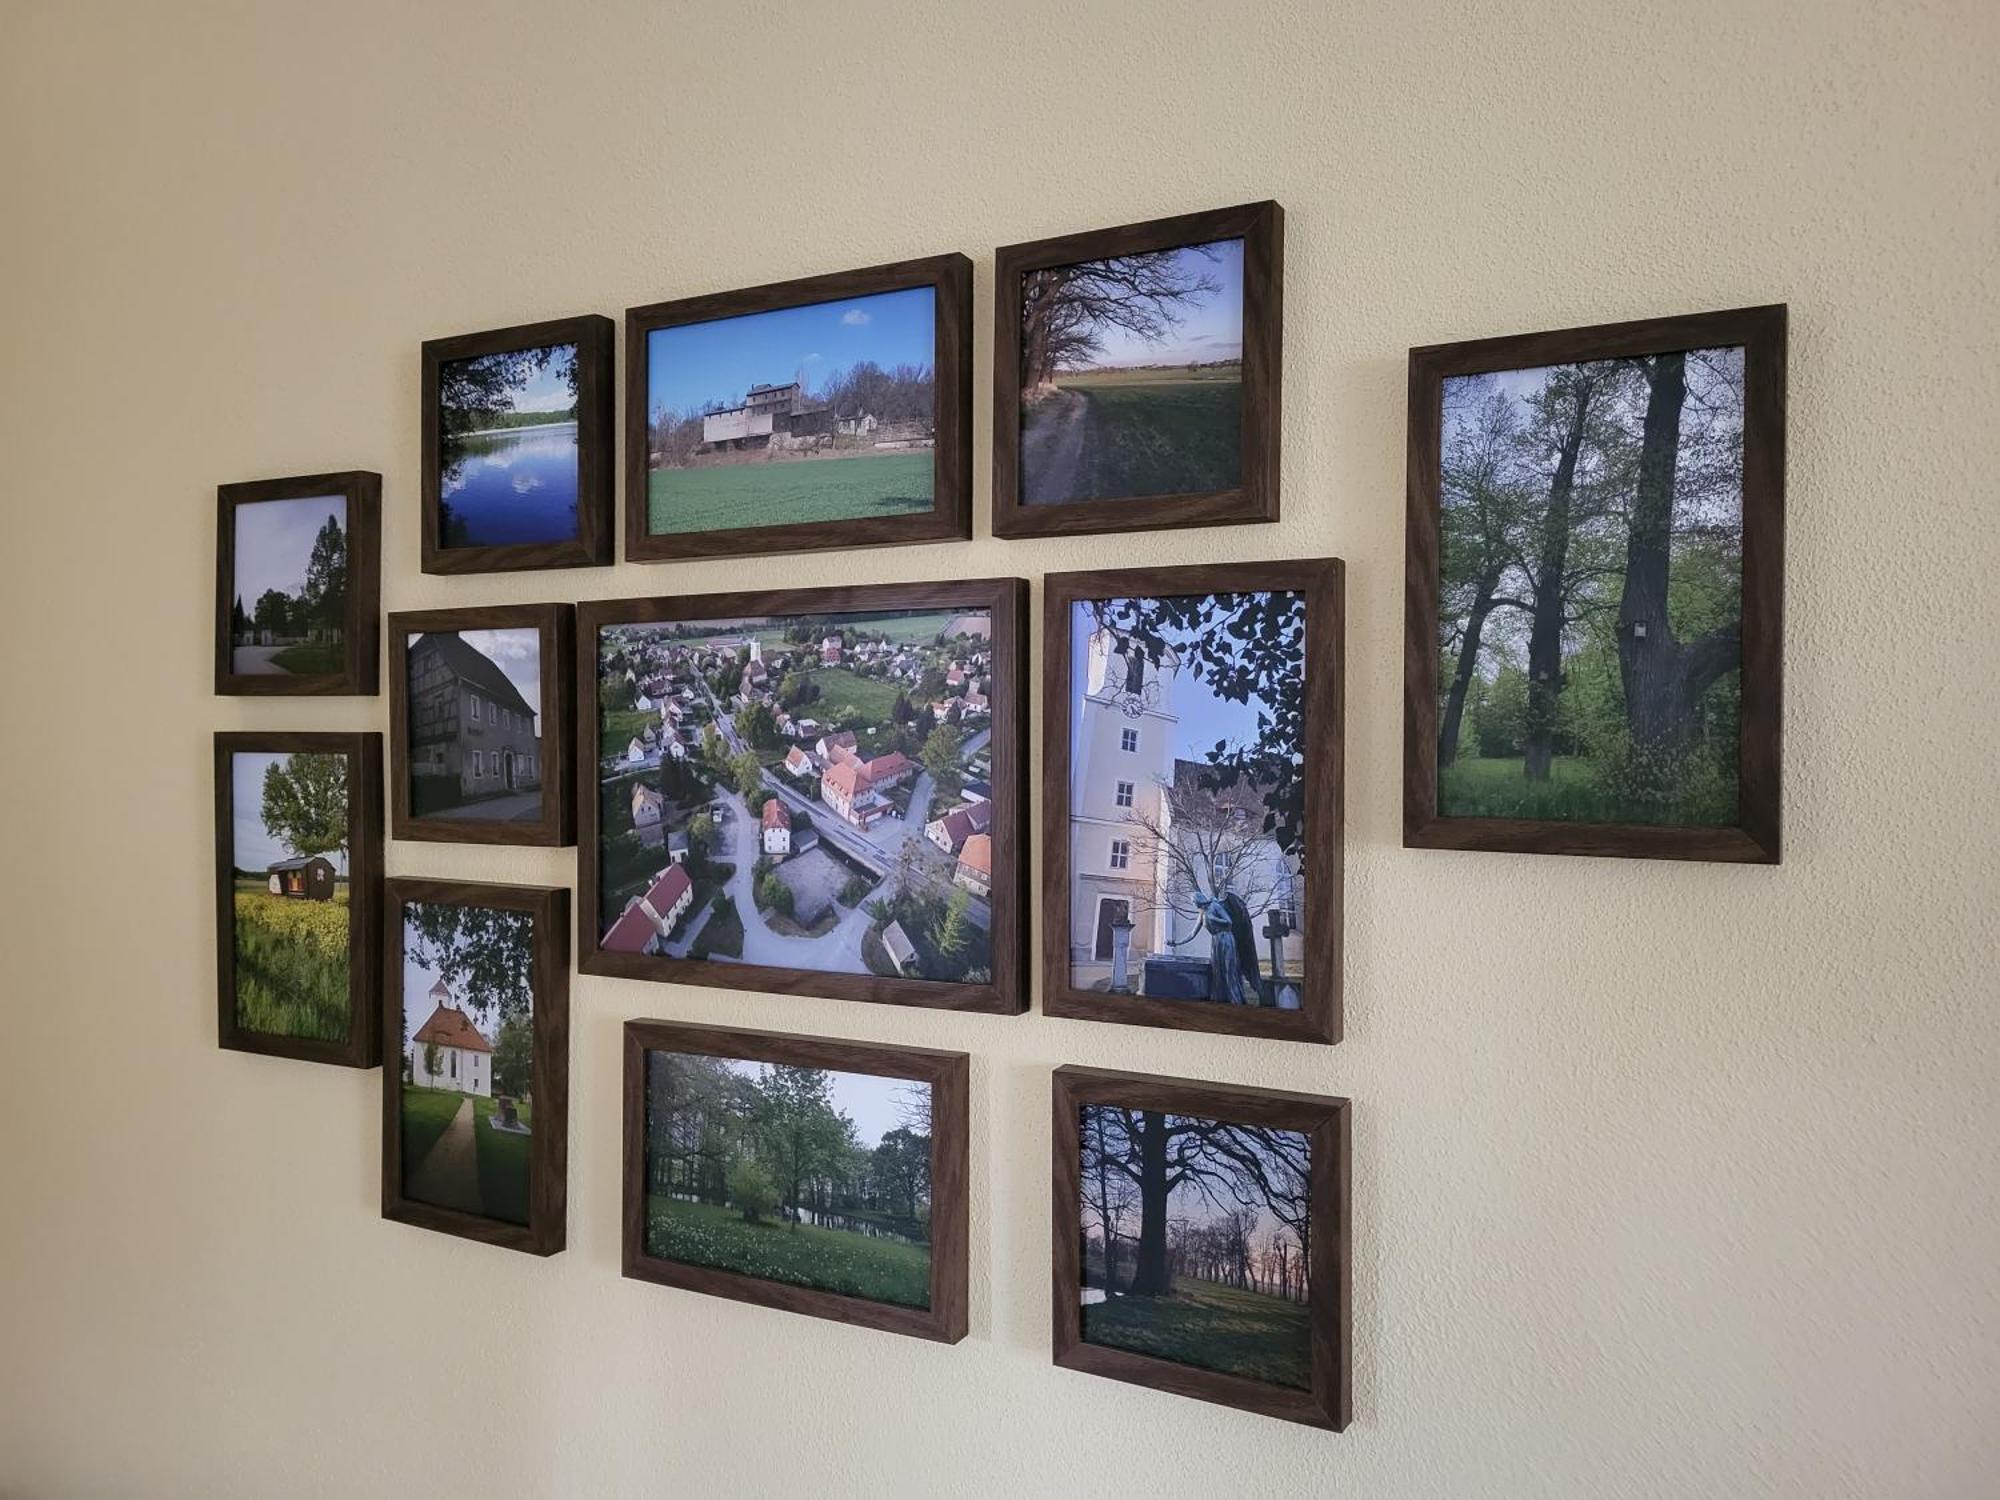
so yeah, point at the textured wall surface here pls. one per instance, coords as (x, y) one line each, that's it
(1669, 1180)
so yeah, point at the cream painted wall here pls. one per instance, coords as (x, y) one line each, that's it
(1669, 1181)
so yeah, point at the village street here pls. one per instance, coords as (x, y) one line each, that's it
(256, 661)
(515, 807)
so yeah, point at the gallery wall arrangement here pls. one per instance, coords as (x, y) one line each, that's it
(823, 791)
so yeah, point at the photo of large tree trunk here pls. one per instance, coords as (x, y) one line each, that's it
(1217, 1218)
(1590, 590)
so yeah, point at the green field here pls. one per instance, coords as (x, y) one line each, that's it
(784, 491)
(1211, 1327)
(503, 1162)
(832, 1260)
(1118, 433)
(291, 963)
(845, 697)
(1473, 787)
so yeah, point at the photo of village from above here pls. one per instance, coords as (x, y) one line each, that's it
(805, 792)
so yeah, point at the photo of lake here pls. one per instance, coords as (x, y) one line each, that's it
(508, 448)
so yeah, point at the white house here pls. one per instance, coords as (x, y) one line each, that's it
(462, 1055)
(777, 829)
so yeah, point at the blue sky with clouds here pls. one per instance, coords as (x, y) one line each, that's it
(696, 363)
(548, 388)
(1210, 329)
(1204, 718)
(274, 541)
(255, 848)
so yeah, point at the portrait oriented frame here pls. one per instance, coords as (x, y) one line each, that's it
(361, 631)
(1325, 1122)
(1261, 227)
(363, 1047)
(548, 1149)
(948, 1074)
(592, 334)
(1005, 599)
(1322, 583)
(950, 516)
(556, 625)
(1755, 838)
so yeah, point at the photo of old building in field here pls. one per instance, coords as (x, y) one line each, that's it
(474, 730)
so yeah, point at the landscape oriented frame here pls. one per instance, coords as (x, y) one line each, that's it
(1006, 601)
(1326, 1123)
(1261, 227)
(556, 624)
(592, 334)
(950, 517)
(363, 1047)
(947, 1073)
(1322, 581)
(548, 1147)
(360, 633)
(1755, 837)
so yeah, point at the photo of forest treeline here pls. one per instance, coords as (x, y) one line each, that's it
(812, 1176)
(1196, 1241)
(1590, 591)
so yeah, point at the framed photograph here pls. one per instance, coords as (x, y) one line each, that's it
(801, 1173)
(1191, 823)
(481, 708)
(298, 585)
(808, 791)
(1136, 375)
(1594, 623)
(475, 1104)
(517, 448)
(1202, 1241)
(298, 895)
(835, 411)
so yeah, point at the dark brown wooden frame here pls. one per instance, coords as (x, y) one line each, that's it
(363, 1047)
(1325, 1121)
(1323, 583)
(948, 1074)
(592, 334)
(557, 626)
(362, 491)
(1261, 227)
(548, 1147)
(1006, 599)
(950, 517)
(1755, 839)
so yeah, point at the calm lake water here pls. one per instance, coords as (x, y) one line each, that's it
(504, 488)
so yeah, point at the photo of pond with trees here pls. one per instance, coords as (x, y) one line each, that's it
(1591, 591)
(507, 448)
(812, 1176)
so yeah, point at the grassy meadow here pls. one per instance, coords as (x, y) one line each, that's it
(501, 1157)
(844, 696)
(291, 963)
(724, 497)
(1496, 787)
(1136, 432)
(1212, 1327)
(831, 1260)
(426, 1112)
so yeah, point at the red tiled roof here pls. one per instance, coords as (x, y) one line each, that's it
(451, 1027)
(977, 854)
(775, 815)
(850, 779)
(895, 763)
(639, 923)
